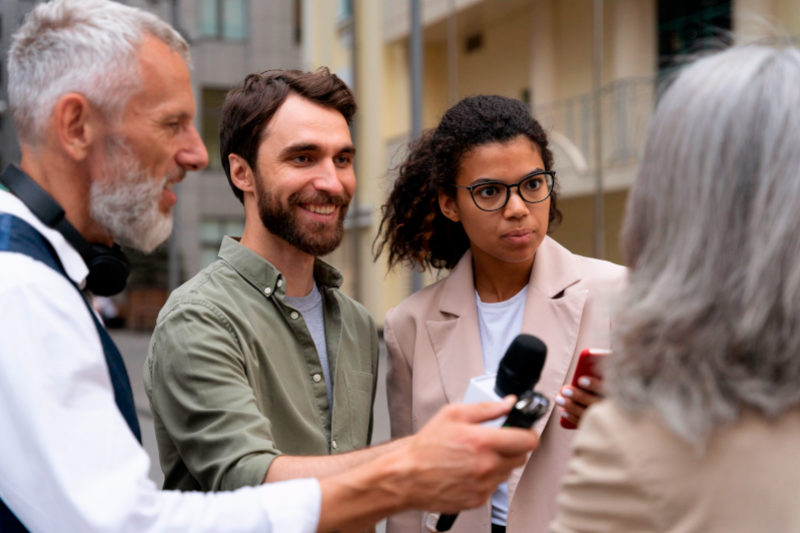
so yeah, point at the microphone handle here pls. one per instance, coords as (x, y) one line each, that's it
(530, 407)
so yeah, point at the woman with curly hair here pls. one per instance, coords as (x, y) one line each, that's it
(477, 196)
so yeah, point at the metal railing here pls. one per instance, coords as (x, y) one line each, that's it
(626, 107)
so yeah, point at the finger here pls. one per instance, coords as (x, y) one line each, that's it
(507, 441)
(580, 396)
(591, 384)
(570, 418)
(571, 407)
(502, 471)
(482, 412)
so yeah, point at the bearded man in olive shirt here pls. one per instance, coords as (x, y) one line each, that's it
(259, 368)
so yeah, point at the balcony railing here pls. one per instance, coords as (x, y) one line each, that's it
(626, 107)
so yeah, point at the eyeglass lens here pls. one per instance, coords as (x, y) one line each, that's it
(493, 196)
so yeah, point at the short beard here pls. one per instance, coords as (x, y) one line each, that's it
(314, 238)
(125, 202)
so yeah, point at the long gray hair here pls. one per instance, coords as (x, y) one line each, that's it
(710, 323)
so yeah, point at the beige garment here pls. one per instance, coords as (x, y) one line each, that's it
(434, 348)
(632, 474)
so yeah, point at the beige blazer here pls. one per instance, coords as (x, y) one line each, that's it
(635, 475)
(434, 348)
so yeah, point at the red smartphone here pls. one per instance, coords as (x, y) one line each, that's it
(588, 365)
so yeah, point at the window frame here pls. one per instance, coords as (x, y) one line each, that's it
(219, 34)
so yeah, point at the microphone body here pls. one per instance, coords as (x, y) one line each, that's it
(519, 371)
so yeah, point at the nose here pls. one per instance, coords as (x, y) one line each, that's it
(193, 156)
(516, 206)
(328, 179)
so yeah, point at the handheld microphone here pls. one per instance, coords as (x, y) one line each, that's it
(519, 370)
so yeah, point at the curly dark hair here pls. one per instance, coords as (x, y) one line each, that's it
(413, 227)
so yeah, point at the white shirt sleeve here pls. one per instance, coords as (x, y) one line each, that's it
(68, 461)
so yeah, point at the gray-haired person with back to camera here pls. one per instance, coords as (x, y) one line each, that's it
(103, 105)
(702, 429)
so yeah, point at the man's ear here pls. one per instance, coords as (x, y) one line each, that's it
(241, 174)
(76, 125)
(447, 204)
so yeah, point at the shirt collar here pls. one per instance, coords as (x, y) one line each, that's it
(70, 259)
(263, 274)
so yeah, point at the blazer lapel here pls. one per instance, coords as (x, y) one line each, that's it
(555, 319)
(456, 340)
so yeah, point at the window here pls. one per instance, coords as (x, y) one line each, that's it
(345, 10)
(689, 27)
(223, 19)
(212, 117)
(212, 230)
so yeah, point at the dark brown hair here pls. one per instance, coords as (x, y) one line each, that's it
(249, 108)
(413, 227)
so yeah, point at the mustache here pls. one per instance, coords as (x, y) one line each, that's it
(175, 175)
(320, 198)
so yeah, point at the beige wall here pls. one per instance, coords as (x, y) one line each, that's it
(501, 66)
(575, 232)
(755, 19)
(323, 43)
(788, 13)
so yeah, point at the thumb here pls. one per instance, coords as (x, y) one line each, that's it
(482, 412)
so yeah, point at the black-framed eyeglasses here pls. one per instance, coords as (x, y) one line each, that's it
(534, 188)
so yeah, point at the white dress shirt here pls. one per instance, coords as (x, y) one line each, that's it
(68, 461)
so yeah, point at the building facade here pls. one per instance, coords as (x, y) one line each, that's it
(539, 51)
(230, 39)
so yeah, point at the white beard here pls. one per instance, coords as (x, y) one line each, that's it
(125, 202)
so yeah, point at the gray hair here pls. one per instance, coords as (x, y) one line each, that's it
(710, 323)
(84, 46)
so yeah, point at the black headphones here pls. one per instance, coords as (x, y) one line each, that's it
(109, 267)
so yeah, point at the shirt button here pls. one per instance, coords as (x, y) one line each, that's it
(317, 378)
(334, 445)
(268, 291)
(280, 283)
(294, 315)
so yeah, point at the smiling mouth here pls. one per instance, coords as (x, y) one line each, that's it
(320, 209)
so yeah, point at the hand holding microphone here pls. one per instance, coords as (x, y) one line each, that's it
(519, 370)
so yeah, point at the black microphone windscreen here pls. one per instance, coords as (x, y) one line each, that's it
(521, 366)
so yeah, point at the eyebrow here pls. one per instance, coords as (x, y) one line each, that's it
(496, 180)
(179, 115)
(311, 147)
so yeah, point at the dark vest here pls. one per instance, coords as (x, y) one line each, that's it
(18, 236)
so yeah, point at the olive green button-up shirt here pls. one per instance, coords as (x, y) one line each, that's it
(234, 379)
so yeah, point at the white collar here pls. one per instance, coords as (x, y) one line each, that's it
(70, 259)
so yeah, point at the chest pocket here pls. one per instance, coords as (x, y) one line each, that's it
(359, 398)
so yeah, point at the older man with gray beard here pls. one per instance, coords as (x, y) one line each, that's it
(103, 105)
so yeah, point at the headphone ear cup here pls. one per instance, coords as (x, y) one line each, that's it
(108, 270)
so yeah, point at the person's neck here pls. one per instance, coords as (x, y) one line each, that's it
(69, 185)
(498, 281)
(296, 266)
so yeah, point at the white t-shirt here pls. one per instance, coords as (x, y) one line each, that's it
(499, 323)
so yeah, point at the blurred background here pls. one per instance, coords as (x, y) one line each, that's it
(589, 70)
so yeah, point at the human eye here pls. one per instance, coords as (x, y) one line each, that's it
(534, 183)
(487, 191)
(343, 160)
(301, 159)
